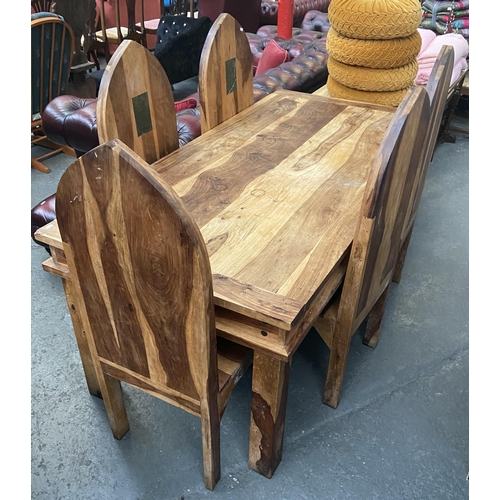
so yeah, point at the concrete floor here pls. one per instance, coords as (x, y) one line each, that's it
(401, 430)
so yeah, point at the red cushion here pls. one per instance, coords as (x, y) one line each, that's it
(188, 103)
(272, 56)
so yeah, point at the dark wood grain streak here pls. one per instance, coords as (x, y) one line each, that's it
(253, 159)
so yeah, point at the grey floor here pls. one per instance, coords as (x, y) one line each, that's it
(401, 430)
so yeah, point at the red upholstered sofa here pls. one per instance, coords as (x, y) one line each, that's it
(70, 120)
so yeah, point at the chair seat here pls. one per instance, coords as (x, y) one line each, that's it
(325, 322)
(150, 26)
(112, 34)
(232, 362)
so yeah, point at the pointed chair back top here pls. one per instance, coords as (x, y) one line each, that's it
(386, 200)
(136, 104)
(226, 74)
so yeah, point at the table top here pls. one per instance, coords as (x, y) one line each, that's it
(276, 191)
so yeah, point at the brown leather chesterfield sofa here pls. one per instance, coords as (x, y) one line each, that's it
(71, 121)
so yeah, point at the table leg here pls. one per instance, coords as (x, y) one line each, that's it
(267, 423)
(81, 340)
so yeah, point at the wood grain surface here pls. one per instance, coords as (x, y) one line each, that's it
(226, 74)
(276, 193)
(136, 103)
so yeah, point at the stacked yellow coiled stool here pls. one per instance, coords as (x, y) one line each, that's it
(372, 47)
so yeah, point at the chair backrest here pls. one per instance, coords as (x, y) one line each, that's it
(52, 45)
(144, 274)
(437, 89)
(41, 5)
(377, 240)
(128, 24)
(226, 74)
(136, 104)
(181, 7)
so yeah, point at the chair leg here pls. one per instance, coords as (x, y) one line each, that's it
(38, 165)
(336, 366)
(112, 396)
(374, 321)
(210, 432)
(398, 271)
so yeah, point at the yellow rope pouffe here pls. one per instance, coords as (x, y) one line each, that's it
(373, 79)
(375, 19)
(380, 54)
(336, 89)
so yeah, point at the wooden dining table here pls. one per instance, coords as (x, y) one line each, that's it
(276, 192)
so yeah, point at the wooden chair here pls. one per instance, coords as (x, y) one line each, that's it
(126, 27)
(226, 75)
(151, 25)
(376, 242)
(42, 5)
(52, 46)
(136, 104)
(437, 89)
(146, 301)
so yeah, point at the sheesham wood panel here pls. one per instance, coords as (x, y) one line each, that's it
(136, 103)
(126, 266)
(226, 74)
(299, 141)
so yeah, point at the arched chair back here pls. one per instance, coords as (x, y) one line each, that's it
(52, 45)
(136, 104)
(226, 74)
(41, 5)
